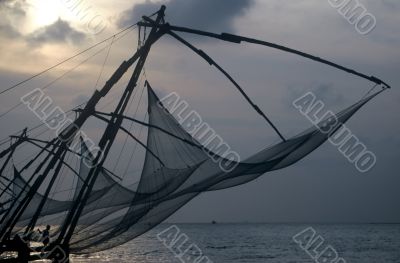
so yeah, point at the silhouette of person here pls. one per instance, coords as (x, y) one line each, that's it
(45, 235)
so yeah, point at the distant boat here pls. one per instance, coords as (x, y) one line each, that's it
(214, 222)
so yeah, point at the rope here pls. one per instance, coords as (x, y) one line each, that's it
(104, 62)
(5, 140)
(54, 81)
(230, 78)
(369, 91)
(130, 128)
(134, 149)
(65, 60)
(69, 71)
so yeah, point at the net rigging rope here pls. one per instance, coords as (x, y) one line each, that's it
(7, 139)
(71, 70)
(56, 191)
(131, 126)
(97, 202)
(104, 62)
(65, 60)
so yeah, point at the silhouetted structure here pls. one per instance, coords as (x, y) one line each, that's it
(102, 213)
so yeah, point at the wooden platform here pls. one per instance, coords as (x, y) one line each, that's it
(25, 253)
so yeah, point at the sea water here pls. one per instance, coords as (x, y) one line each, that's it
(234, 243)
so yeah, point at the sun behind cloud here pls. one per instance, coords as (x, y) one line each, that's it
(44, 12)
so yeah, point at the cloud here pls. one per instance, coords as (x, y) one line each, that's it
(215, 15)
(9, 31)
(58, 32)
(11, 12)
(15, 7)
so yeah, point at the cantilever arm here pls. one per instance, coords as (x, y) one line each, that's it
(212, 62)
(238, 39)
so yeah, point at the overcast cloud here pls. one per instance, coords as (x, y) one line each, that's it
(322, 187)
(58, 32)
(202, 14)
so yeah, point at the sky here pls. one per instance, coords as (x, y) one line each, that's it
(323, 187)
